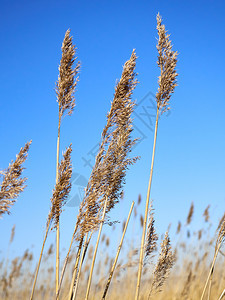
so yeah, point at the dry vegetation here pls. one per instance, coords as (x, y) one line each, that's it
(156, 269)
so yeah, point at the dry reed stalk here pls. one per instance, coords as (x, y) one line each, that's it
(116, 145)
(66, 262)
(67, 259)
(163, 266)
(117, 254)
(222, 295)
(12, 183)
(60, 194)
(75, 270)
(167, 60)
(96, 249)
(86, 242)
(210, 285)
(219, 242)
(65, 88)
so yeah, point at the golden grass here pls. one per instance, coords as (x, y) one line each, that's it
(154, 270)
(186, 279)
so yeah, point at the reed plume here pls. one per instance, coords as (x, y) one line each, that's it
(108, 174)
(117, 136)
(103, 190)
(190, 214)
(152, 237)
(167, 60)
(65, 89)
(60, 194)
(111, 162)
(13, 183)
(163, 266)
(62, 187)
(67, 79)
(206, 214)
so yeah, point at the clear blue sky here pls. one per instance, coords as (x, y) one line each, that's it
(189, 165)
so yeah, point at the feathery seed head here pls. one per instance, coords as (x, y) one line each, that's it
(164, 264)
(108, 174)
(62, 187)
(152, 237)
(206, 213)
(190, 214)
(12, 184)
(167, 60)
(67, 79)
(221, 233)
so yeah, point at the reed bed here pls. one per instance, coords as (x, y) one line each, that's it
(193, 268)
(192, 261)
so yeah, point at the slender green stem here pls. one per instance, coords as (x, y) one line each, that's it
(117, 254)
(146, 212)
(96, 248)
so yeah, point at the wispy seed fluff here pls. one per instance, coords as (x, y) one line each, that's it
(13, 183)
(62, 187)
(165, 263)
(67, 79)
(152, 237)
(167, 60)
(108, 174)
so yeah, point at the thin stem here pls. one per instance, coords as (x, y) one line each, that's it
(57, 225)
(222, 295)
(96, 248)
(86, 242)
(146, 211)
(117, 254)
(210, 284)
(66, 261)
(75, 270)
(211, 270)
(39, 262)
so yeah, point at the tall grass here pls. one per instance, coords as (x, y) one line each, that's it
(167, 60)
(164, 273)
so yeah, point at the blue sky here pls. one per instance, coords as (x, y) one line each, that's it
(189, 164)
